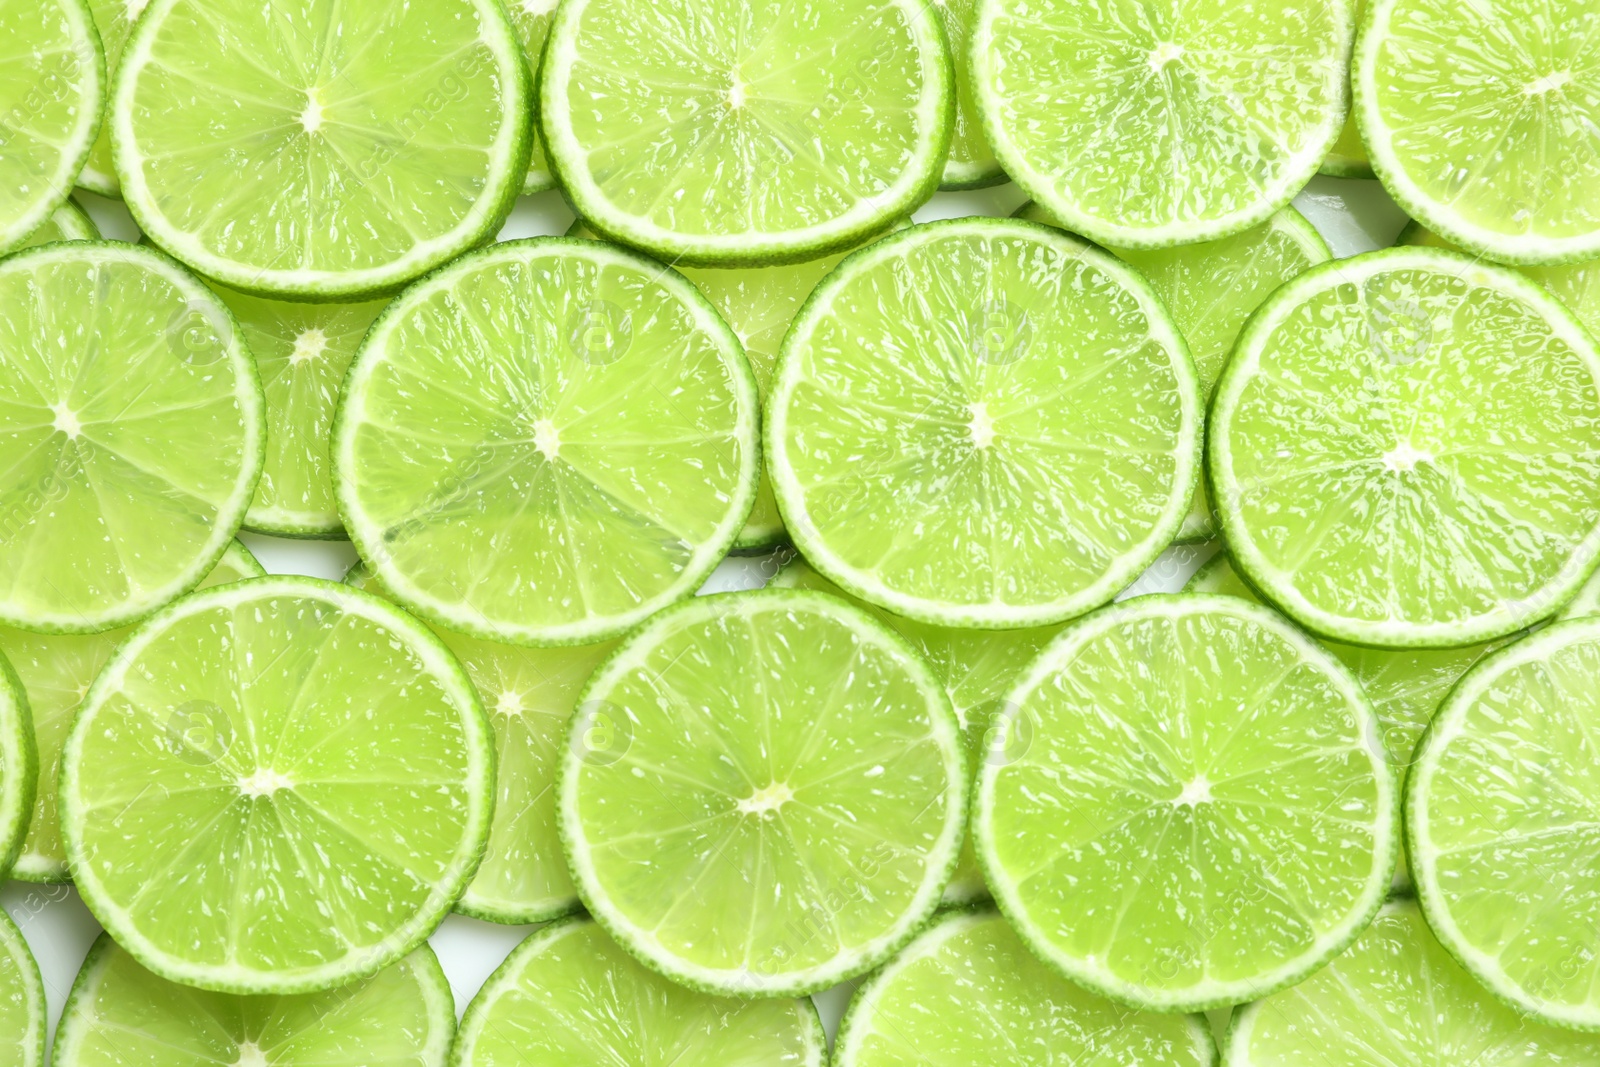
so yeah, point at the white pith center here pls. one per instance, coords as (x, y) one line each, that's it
(250, 1055)
(766, 801)
(263, 783)
(736, 93)
(1547, 84)
(66, 420)
(546, 438)
(538, 7)
(134, 8)
(308, 346)
(1194, 794)
(311, 117)
(1404, 457)
(509, 704)
(1164, 53)
(982, 426)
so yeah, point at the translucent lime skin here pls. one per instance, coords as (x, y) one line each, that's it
(114, 19)
(69, 222)
(1348, 156)
(971, 164)
(22, 1004)
(569, 996)
(532, 20)
(19, 766)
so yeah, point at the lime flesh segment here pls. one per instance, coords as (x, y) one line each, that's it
(1396, 997)
(1211, 289)
(580, 453)
(69, 222)
(114, 19)
(1500, 813)
(569, 996)
(1480, 120)
(968, 987)
(971, 164)
(117, 369)
(334, 151)
(1182, 808)
(743, 135)
(19, 767)
(976, 668)
(983, 423)
(529, 693)
(121, 1015)
(319, 812)
(785, 760)
(22, 1004)
(1404, 447)
(52, 91)
(302, 352)
(1164, 123)
(532, 20)
(56, 671)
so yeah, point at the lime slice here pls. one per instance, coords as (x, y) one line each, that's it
(52, 91)
(1587, 602)
(1181, 808)
(276, 786)
(114, 19)
(739, 135)
(1161, 123)
(1480, 121)
(121, 1015)
(1395, 997)
(22, 1004)
(976, 668)
(131, 411)
(69, 222)
(1501, 808)
(579, 454)
(19, 767)
(1348, 156)
(984, 423)
(1404, 448)
(569, 995)
(302, 352)
(967, 988)
(529, 693)
(1211, 289)
(779, 756)
(532, 21)
(334, 152)
(56, 671)
(971, 164)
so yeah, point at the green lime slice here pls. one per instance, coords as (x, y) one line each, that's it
(971, 164)
(69, 222)
(570, 995)
(976, 668)
(121, 1015)
(1587, 602)
(22, 1003)
(114, 19)
(276, 786)
(19, 767)
(968, 991)
(779, 756)
(578, 455)
(117, 370)
(1501, 807)
(56, 671)
(1184, 805)
(1161, 123)
(1480, 119)
(1403, 450)
(302, 352)
(1211, 289)
(1348, 156)
(983, 423)
(52, 92)
(742, 135)
(529, 693)
(330, 153)
(532, 21)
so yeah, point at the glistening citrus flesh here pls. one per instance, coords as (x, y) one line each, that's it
(22, 1003)
(787, 800)
(983, 423)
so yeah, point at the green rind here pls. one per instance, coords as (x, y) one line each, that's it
(426, 645)
(69, 222)
(19, 767)
(801, 983)
(978, 169)
(1536, 606)
(522, 12)
(1586, 603)
(29, 1045)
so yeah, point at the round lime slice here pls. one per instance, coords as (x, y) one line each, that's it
(984, 423)
(114, 19)
(1587, 602)
(52, 91)
(570, 995)
(22, 1004)
(580, 453)
(276, 786)
(532, 20)
(1500, 818)
(1162, 123)
(968, 988)
(779, 757)
(1403, 450)
(120, 1015)
(69, 222)
(131, 413)
(529, 693)
(1211, 289)
(977, 668)
(1184, 805)
(971, 164)
(302, 352)
(19, 767)
(56, 671)
(739, 135)
(1480, 121)
(1396, 997)
(332, 152)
